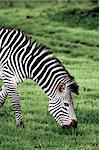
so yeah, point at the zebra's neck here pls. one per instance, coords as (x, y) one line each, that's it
(47, 70)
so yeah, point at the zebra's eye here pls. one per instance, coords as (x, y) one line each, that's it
(66, 104)
(61, 88)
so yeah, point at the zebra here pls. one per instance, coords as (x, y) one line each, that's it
(22, 59)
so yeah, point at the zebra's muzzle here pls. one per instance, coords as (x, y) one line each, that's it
(72, 124)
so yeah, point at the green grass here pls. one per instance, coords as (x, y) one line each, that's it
(71, 31)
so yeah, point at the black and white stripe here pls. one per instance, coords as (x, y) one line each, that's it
(21, 59)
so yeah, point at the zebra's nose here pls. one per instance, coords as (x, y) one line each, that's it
(73, 123)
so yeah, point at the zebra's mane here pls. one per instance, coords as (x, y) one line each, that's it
(42, 47)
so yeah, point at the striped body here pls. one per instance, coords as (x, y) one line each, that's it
(21, 59)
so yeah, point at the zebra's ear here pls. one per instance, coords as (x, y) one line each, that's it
(74, 88)
(61, 87)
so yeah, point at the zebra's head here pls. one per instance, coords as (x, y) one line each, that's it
(61, 107)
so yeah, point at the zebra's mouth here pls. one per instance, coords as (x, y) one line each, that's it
(72, 124)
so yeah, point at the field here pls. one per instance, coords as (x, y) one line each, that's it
(71, 31)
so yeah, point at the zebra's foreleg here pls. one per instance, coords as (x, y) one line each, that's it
(3, 95)
(13, 94)
(17, 108)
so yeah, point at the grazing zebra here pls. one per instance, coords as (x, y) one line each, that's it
(21, 59)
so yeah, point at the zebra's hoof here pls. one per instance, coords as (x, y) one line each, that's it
(21, 124)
